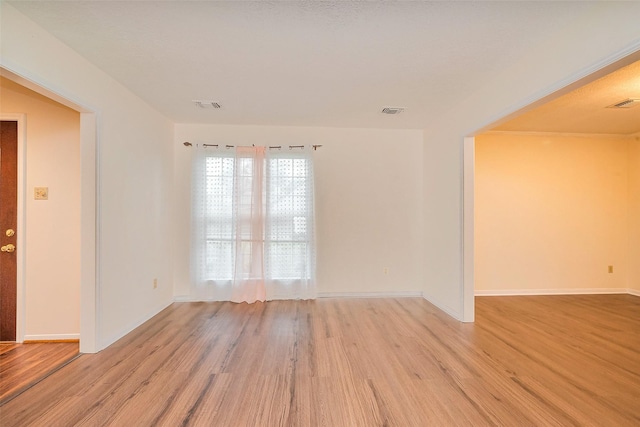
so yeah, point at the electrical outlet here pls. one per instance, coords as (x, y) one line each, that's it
(155, 283)
(611, 269)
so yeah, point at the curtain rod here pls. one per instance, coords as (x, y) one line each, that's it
(188, 144)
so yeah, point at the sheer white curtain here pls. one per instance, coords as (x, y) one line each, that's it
(253, 224)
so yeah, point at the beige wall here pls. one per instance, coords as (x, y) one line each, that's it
(634, 215)
(368, 203)
(52, 277)
(551, 213)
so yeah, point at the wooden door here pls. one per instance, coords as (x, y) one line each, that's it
(8, 225)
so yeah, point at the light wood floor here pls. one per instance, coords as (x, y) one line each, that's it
(527, 361)
(22, 365)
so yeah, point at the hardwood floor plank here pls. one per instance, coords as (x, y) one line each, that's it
(526, 361)
(22, 365)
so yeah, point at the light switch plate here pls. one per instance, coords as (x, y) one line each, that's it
(41, 193)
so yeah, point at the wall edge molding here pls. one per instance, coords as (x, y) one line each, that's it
(134, 325)
(52, 337)
(187, 298)
(559, 134)
(634, 292)
(577, 291)
(445, 308)
(369, 295)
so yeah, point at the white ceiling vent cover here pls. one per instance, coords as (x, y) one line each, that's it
(207, 104)
(627, 103)
(392, 110)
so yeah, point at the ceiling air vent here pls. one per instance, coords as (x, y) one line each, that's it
(207, 104)
(627, 103)
(392, 110)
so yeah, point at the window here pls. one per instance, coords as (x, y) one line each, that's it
(255, 218)
(289, 210)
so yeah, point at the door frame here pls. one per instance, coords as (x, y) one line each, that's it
(21, 119)
(89, 231)
(617, 60)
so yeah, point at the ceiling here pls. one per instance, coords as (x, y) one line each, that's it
(586, 109)
(334, 64)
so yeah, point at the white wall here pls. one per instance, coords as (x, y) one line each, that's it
(634, 215)
(575, 51)
(551, 213)
(368, 203)
(52, 303)
(135, 174)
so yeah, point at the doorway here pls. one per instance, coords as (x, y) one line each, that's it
(51, 214)
(86, 182)
(535, 114)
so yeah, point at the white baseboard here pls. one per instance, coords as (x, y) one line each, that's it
(369, 294)
(449, 310)
(52, 337)
(106, 342)
(187, 298)
(578, 291)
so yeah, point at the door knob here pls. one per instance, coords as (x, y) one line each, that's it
(8, 248)
(10, 232)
